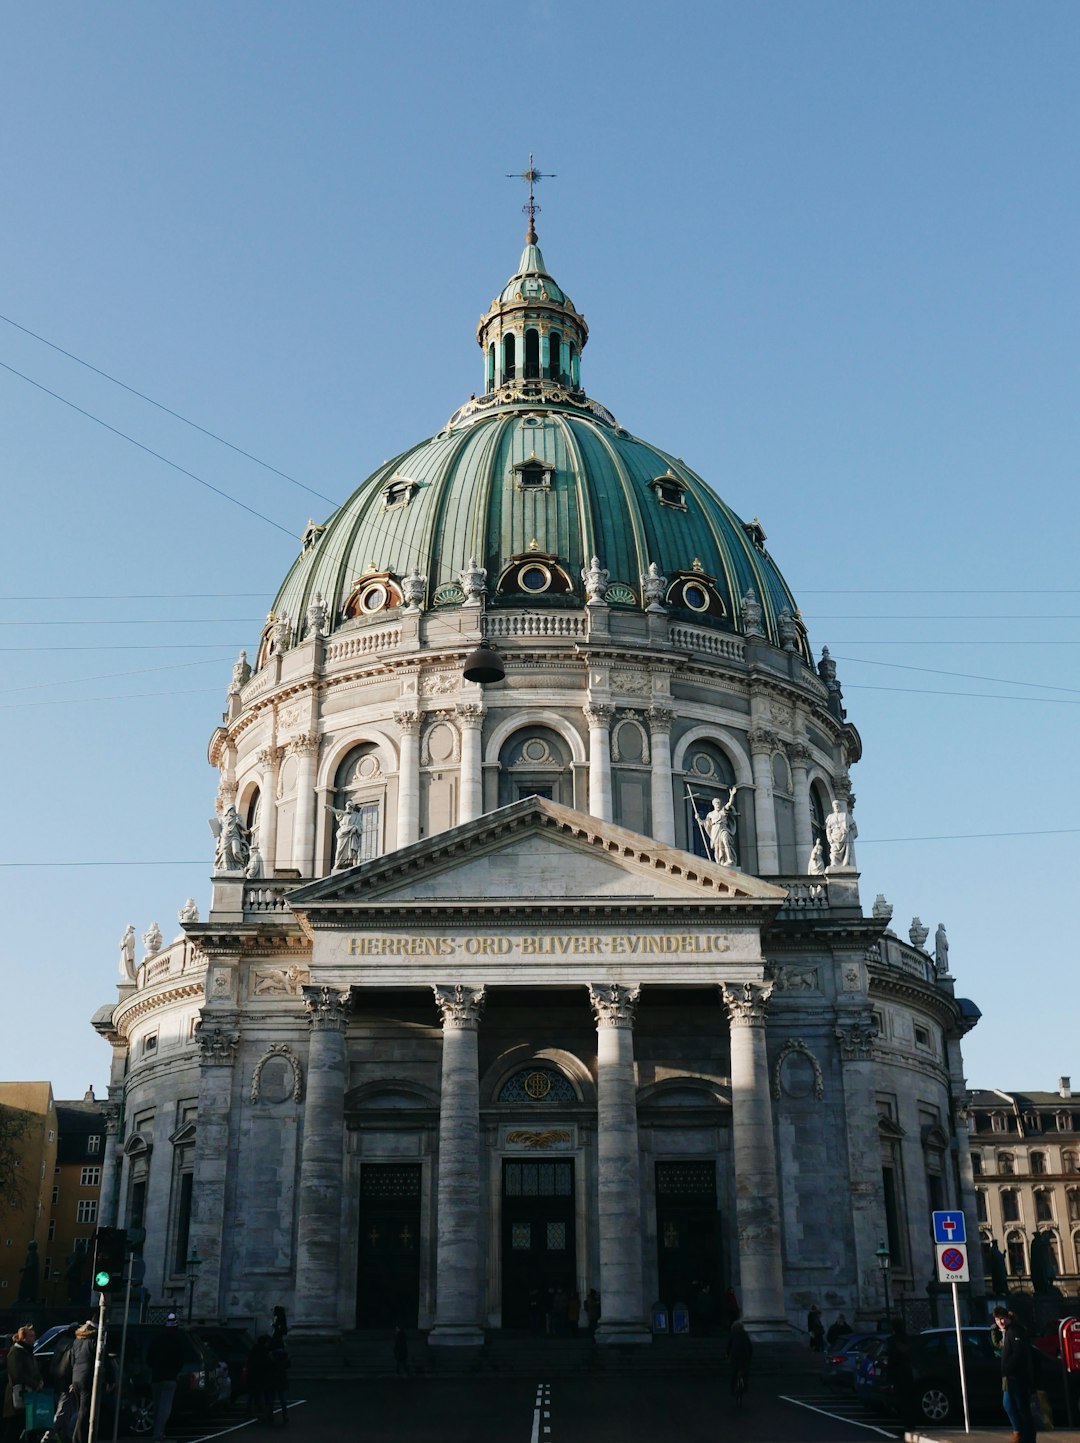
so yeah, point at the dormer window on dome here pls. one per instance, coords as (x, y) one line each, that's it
(669, 491)
(374, 592)
(532, 474)
(697, 592)
(398, 491)
(535, 574)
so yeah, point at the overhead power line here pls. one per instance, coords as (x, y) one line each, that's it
(169, 411)
(966, 675)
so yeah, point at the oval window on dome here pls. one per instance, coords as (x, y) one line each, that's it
(695, 596)
(534, 577)
(374, 598)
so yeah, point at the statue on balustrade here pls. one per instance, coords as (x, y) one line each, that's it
(719, 827)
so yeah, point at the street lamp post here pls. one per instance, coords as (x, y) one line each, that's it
(193, 1264)
(884, 1261)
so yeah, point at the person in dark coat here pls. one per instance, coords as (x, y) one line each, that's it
(900, 1372)
(592, 1310)
(23, 1374)
(815, 1328)
(1017, 1372)
(83, 1354)
(740, 1351)
(279, 1327)
(840, 1329)
(165, 1357)
(260, 1371)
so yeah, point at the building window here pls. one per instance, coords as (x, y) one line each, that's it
(998, 1122)
(52, 1134)
(537, 1085)
(1015, 1253)
(1010, 1206)
(1032, 1122)
(149, 1043)
(555, 356)
(1068, 1160)
(976, 1164)
(86, 1210)
(922, 1037)
(1064, 1122)
(55, 1195)
(669, 491)
(1006, 1163)
(532, 354)
(183, 1222)
(508, 357)
(52, 1229)
(93, 1143)
(1038, 1164)
(535, 762)
(360, 788)
(980, 1207)
(1044, 1206)
(90, 1177)
(1072, 1197)
(398, 491)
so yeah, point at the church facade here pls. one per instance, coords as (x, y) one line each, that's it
(535, 955)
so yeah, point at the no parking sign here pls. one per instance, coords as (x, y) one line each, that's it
(952, 1262)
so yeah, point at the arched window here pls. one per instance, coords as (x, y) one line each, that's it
(1038, 1164)
(571, 364)
(631, 777)
(1076, 1251)
(976, 1164)
(508, 357)
(1044, 1205)
(1006, 1163)
(532, 354)
(491, 367)
(359, 779)
(554, 356)
(980, 1206)
(707, 773)
(1068, 1160)
(1016, 1254)
(535, 762)
(819, 807)
(1010, 1205)
(537, 1085)
(253, 816)
(1072, 1201)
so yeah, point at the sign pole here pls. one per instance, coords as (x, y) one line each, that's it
(97, 1367)
(960, 1356)
(123, 1349)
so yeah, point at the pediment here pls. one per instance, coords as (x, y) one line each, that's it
(536, 850)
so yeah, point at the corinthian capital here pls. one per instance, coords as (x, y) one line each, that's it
(763, 740)
(304, 745)
(660, 719)
(217, 1046)
(599, 714)
(328, 1009)
(613, 1004)
(469, 715)
(856, 1039)
(460, 1006)
(409, 722)
(746, 1002)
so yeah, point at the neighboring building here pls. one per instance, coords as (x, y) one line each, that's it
(1025, 1155)
(479, 1015)
(76, 1197)
(25, 1211)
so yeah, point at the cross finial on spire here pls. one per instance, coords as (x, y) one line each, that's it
(531, 177)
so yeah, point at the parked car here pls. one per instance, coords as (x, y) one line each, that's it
(842, 1360)
(936, 1372)
(871, 1382)
(232, 1346)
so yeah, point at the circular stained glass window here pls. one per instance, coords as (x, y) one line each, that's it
(537, 1085)
(696, 597)
(374, 598)
(536, 750)
(534, 578)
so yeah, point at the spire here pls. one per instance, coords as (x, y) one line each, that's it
(531, 177)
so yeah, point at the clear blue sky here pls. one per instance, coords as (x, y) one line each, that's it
(828, 254)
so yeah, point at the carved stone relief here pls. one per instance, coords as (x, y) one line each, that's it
(278, 981)
(797, 1072)
(273, 1090)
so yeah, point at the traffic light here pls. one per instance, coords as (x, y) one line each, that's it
(110, 1246)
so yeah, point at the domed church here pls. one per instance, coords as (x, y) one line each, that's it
(535, 956)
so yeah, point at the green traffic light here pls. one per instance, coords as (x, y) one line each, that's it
(101, 1280)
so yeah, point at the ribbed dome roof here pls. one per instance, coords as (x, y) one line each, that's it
(533, 467)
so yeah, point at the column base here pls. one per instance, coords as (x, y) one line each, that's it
(456, 1335)
(614, 1331)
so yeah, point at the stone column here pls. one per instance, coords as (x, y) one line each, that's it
(217, 1041)
(270, 758)
(471, 722)
(855, 1035)
(303, 851)
(458, 1283)
(799, 754)
(107, 1202)
(618, 1166)
(599, 719)
(762, 743)
(408, 828)
(757, 1193)
(322, 1166)
(663, 800)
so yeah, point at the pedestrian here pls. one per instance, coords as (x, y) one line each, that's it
(573, 1313)
(23, 1376)
(401, 1352)
(740, 1351)
(559, 1304)
(83, 1354)
(1017, 1371)
(592, 1310)
(900, 1372)
(839, 1330)
(815, 1328)
(278, 1379)
(260, 1372)
(998, 1328)
(729, 1307)
(165, 1357)
(279, 1328)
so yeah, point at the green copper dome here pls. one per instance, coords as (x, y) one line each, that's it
(534, 471)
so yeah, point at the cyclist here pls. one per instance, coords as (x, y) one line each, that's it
(740, 1351)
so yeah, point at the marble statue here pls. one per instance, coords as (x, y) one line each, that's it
(840, 831)
(816, 865)
(414, 589)
(350, 835)
(473, 582)
(188, 912)
(653, 587)
(751, 612)
(127, 954)
(719, 827)
(595, 578)
(254, 867)
(941, 951)
(318, 614)
(241, 674)
(232, 844)
(152, 939)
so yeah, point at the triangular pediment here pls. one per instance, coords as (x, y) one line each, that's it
(536, 850)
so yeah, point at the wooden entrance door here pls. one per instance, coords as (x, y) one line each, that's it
(388, 1278)
(538, 1237)
(687, 1231)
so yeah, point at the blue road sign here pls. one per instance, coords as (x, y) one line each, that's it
(949, 1227)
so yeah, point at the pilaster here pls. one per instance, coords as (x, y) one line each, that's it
(217, 1039)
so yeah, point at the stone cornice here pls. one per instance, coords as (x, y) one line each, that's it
(901, 987)
(128, 1013)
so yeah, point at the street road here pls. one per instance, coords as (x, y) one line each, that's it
(622, 1408)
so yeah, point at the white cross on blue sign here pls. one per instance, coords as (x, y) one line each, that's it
(949, 1227)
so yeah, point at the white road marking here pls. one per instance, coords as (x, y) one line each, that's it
(205, 1437)
(542, 1389)
(840, 1418)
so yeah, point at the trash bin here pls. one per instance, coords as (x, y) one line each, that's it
(680, 1318)
(660, 1320)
